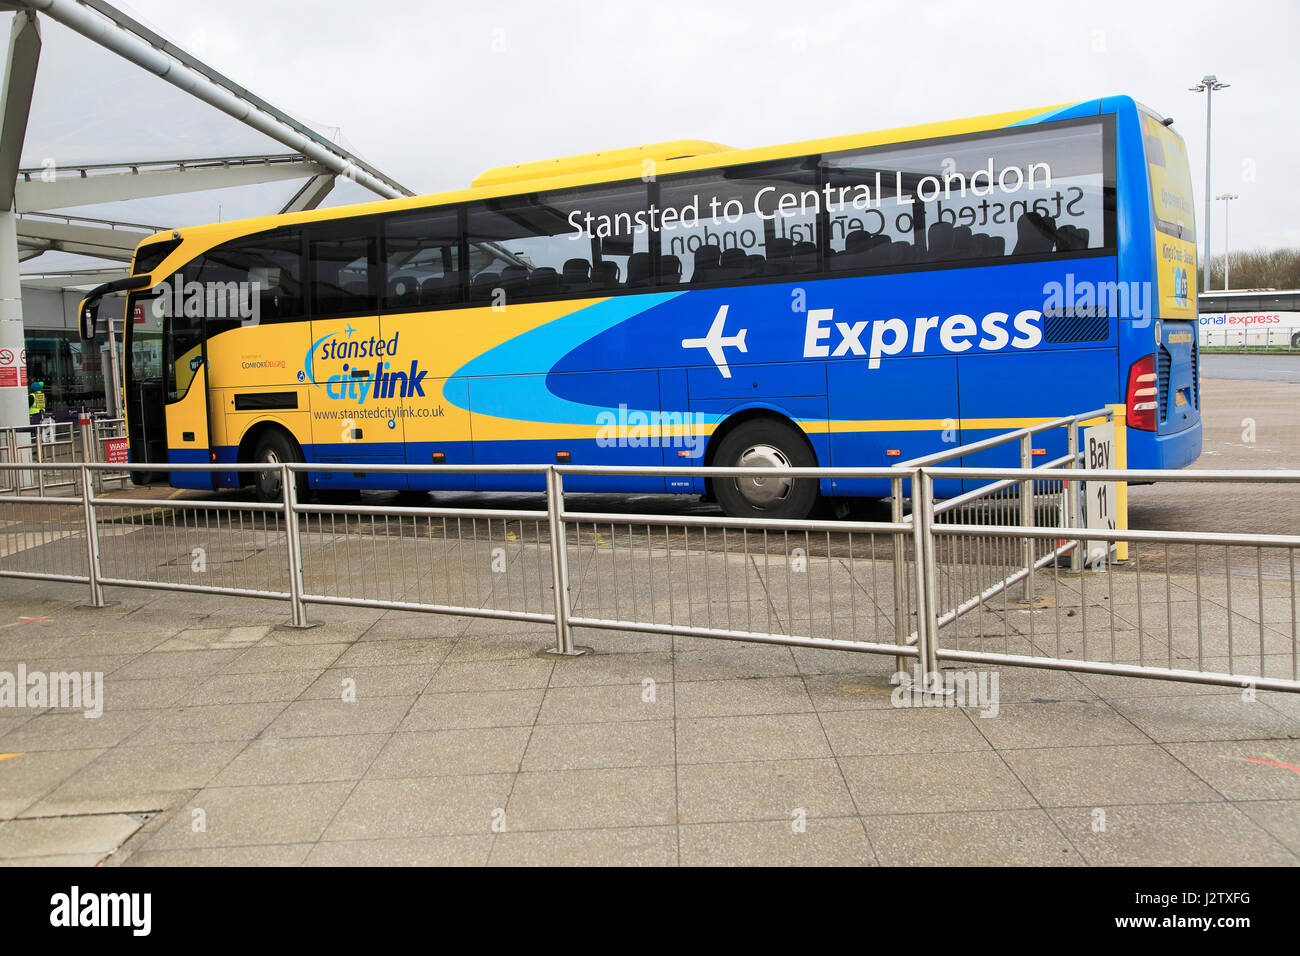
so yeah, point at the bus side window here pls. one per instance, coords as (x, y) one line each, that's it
(251, 281)
(1029, 192)
(422, 267)
(575, 242)
(740, 223)
(342, 277)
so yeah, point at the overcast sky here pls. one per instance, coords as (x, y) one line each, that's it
(434, 93)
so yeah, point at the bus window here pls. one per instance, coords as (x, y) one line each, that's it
(977, 198)
(251, 281)
(742, 222)
(422, 261)
(547, 245)
(343, 282)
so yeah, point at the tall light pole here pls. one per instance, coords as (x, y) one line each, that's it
(1209, 83)
(1227, 198)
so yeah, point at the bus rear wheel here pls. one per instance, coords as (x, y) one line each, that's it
(1295, 340)
(765, 443)
(274, 449)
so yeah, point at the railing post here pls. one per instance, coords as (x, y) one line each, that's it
(564, 646)
(1027, 518)
(293, 541)
(927, 619)
(40, 458)
(1072, 496)
(900, 585)
(92, 539)
(86, 428)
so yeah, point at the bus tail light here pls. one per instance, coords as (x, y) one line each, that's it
(1141, 397)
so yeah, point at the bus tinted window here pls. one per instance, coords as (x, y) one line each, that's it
(547, 245)
(268, 272)
(1031, 193)
(740, 223)
(422, 259)
(341, 274)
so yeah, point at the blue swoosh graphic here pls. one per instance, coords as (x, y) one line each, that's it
(526, 397)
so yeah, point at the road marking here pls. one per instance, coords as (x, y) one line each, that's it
(1272, 763)
(24, 620)
(7, 756)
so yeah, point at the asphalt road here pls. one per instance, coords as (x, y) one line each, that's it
(1280, 367)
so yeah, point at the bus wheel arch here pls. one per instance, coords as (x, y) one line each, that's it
(271, 442)
(767, 437)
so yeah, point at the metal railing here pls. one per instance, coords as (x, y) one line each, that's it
(84, 440)
(1251, 339)
(932, 585)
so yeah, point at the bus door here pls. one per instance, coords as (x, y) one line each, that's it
(357, 365)
(146, 416)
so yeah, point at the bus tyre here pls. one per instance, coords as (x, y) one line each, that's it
(275, 448)
(765, 443)
(1295, 340)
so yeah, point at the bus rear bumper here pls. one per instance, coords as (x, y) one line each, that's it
(1175, 450)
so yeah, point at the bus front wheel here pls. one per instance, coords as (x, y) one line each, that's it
(274, 449)
(765, 443)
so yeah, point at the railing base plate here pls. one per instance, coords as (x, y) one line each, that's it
(578, 651)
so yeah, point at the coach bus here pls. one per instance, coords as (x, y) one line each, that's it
(852, 301)
(1250, 318)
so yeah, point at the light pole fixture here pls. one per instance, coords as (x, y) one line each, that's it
(1227, 198)
(1209, 83)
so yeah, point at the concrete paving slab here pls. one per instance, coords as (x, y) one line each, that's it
(276, 855)
(339, 717)
(27, 777)
(631, 846)
(1206, 717)
(987, 838)
(761, 790)
(833, 841)
(1192, 834)
(252, 815)
(65, 836)
(731, 698)
(410, 807)
(587, 799)
(754, 737)
(607, 702)
(132, 778)
(1106, 775)
(286, 760)
(470, 850)
(451, 752)
(507, 708)
(621, 743)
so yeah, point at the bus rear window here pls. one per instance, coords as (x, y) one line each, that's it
(1171, 180)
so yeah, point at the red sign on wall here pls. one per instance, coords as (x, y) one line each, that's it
(115, 451)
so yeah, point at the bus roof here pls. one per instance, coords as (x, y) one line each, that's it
(675, 156)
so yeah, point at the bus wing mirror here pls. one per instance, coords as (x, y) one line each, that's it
(86, 317)
(90, 304)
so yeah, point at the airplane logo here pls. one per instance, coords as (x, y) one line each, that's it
(715, 342)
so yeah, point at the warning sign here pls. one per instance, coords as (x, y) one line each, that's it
(115, 451)
(9, 368)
